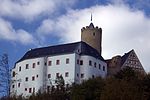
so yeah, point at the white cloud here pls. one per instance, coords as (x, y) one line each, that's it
(7, 32)
(123, 29)
(31, 9)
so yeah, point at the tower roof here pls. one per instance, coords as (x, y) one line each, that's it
(91, 25)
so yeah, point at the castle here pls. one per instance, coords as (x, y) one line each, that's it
(40, 67)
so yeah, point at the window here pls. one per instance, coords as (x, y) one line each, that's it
(57, 74)
(67, 74)
(26, 79)
(25, 89)
(93, 76)
(27, 66)
(49, 75)
(99, 66)
(103, 68)
(18, 84)
(57, 62)
(13, 74)
(45, 63)
(49, 63)
(82, 75)
(33, 66)
(13, 86)
(67, 61)
(30, 90)
(81, 62)
(19, 68)
(77, 75)
(90, 63)
(94, 34)
(38, 63)
(37, 76)
(33, 78)
(33, 89)
(95, 64)
(77, 61)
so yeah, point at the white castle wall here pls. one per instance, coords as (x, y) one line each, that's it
(73, 68)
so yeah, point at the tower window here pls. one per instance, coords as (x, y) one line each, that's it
(94, 34)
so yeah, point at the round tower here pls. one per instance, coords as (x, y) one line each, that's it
(92, 36)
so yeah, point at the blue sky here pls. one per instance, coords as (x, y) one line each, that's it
(26, 24)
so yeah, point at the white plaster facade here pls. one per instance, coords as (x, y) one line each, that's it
(45, 69)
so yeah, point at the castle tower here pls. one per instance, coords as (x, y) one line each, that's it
(92, 36)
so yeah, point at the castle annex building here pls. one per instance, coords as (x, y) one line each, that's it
(39, 68)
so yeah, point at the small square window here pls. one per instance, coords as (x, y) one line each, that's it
(57, 62)
(26, 79)
(99, 66)
(18, 84)
(25, 89)
(38, 63)
(93, 76)
(49, 75)
(13, 74)
(49, 63)
(57, 74)
(19, 68)
(95, 64)
(77, 61)
(82, 75)
(103, 68)
(33, 78)
(13, 86)
(90, 63)
(33, 66)
(67, 74)
(81, 62)
(30, 90)
(67, 61)
(45, 63)
(37, 76)
(27, 66)
(77, 75)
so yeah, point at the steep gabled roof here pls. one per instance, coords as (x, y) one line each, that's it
(125, 56)
(78, 47)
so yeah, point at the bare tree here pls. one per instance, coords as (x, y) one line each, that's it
(4, 75)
